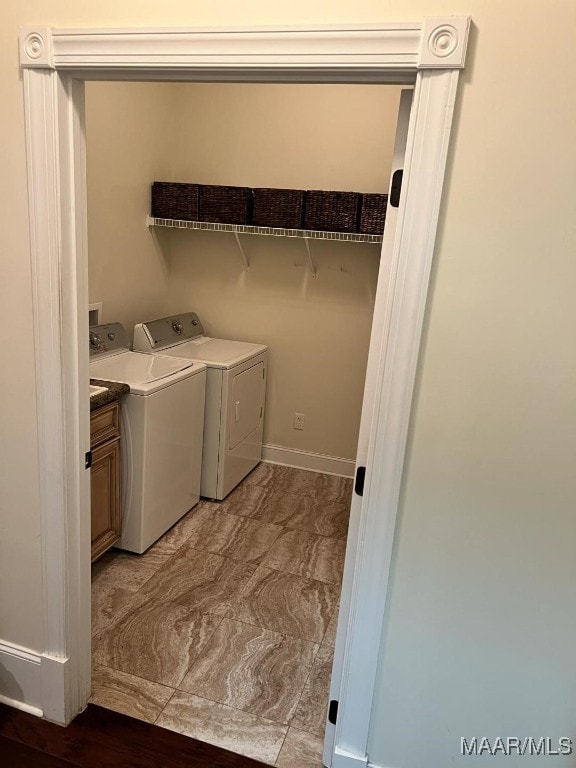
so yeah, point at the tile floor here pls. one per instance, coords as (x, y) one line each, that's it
(224, 629)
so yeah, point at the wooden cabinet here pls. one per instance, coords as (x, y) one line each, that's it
(105, 478)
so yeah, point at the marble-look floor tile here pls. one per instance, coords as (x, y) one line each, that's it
(304, 513)
(305, 482)
(109, 601)
(197, 580)
(304, 554)
(173, 539)
(116, 577)
(301, 750)
(240, 538)
(245, 500)
(127, 694)
(326, 518)
(223, 726)
(313, 705)
(288, 604)
(252, 669)
(264, 474)
(156, 640)
(272, 504)
(130, 569)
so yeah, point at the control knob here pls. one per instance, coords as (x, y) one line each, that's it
(176, 326)
(95, 341)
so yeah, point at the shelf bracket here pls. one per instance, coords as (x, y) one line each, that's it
(239, 244)
(311, 263)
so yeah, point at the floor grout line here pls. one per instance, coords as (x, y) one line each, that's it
(165, 705)
(229, 706)
(282, 745)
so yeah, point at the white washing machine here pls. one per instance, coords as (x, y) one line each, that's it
(162, 421)
(235, 395)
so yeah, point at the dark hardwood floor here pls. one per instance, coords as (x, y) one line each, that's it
(100, 738)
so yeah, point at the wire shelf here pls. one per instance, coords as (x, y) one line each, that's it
(246, 229)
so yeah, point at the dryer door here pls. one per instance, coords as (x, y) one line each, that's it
(246, 403)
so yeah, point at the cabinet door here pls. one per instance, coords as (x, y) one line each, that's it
(105, 496)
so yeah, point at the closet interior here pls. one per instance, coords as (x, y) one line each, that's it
(223, 629)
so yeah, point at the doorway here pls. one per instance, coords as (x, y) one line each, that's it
(271, 644)
(55, 65)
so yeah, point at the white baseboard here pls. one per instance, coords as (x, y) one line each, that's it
(21, 706)
(315, 462)
(54, 689)
(33, 682)
(20, 678)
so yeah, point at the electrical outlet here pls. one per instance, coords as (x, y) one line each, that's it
(299, 421)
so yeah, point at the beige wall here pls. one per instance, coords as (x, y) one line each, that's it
(327, 137)
(128, 142)
(296, 136)
(481, 623)
(317, 329)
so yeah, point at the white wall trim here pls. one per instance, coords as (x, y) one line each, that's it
(315, 462)
(343, 759)
(342, 48)
(55, 679)
(57, 231)
(33, 682)
(411, 259)
(20, 678)
(55, 63)
(15, 704)
(40, 88)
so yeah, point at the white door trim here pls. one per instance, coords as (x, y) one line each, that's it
(392, 363)
(55, 63)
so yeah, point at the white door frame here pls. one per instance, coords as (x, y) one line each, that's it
(55, 64)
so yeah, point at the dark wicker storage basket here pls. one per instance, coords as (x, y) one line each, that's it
(331, 211)
(225, 205)
(373, 214)
(172, 200)
(278, 208)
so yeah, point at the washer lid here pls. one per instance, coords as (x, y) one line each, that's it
(143, 373)
(220, 353)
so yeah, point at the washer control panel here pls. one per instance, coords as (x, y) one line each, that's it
(107, 339)
(168, 331)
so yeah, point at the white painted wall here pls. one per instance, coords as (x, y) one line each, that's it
(480, 628)
(304, 137)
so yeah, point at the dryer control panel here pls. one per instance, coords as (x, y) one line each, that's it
(168, 331)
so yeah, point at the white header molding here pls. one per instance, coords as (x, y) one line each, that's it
(438, 43)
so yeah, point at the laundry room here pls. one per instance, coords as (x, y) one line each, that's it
(222, 625)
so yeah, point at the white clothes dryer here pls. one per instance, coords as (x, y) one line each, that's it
(162, 420)
(235, 395)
